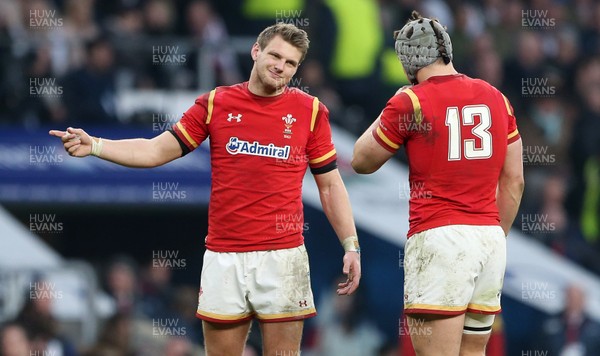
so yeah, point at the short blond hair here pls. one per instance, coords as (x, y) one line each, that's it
(291, 34)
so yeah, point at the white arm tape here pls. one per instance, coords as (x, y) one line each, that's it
(351, 244)
(97, 147)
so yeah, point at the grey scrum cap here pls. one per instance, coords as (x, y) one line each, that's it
(421, 42)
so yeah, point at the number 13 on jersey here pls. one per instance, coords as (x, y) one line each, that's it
(472, 149)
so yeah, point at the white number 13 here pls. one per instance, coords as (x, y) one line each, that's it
(472, 151)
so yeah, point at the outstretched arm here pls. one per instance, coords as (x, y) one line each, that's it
(136, 153)
(336, 205)
(510, 185)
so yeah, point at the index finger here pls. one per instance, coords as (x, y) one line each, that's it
(57, 133)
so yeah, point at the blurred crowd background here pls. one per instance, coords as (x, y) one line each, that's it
(544, 55)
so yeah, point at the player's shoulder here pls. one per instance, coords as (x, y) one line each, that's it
(300, 95)
(494, 94)
(402, 99)
(484, 84)
(220, 91)
(231, 90)
(305, 100)
(235, 88)
(481, 86)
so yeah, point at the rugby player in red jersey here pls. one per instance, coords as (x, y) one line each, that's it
(263, 137)
(466, 179)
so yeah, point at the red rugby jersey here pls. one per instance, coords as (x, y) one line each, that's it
(455, 130)
(260, 148)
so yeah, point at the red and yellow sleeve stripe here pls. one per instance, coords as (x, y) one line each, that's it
(384, 141)
(185, 136)
(210, 106)
(323, 160)
(508, 107)
(315, 111)
(513, 136)
(416, 105)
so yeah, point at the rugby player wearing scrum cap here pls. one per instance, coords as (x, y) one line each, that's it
(466, 179)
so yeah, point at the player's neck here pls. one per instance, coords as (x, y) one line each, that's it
(434, 70)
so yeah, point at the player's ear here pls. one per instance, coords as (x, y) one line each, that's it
(254, 51)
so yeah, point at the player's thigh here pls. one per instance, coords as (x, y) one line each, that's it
(281, 338)
(435, 335)
(225, 339)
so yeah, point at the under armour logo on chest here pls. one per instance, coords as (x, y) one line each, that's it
(237, 118)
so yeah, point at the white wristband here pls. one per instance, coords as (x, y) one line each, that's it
(97, 147)
(350, 244)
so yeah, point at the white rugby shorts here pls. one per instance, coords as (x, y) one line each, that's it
(454, 269)
(270, 285)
